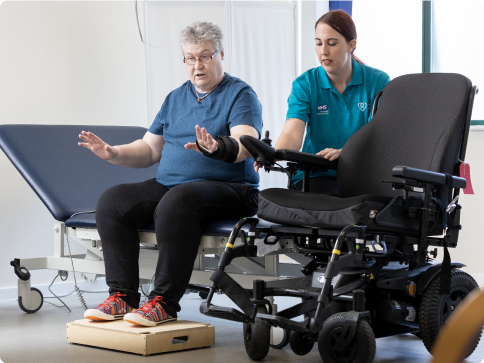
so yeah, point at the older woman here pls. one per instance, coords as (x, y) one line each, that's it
(330, 102)
(199, 178)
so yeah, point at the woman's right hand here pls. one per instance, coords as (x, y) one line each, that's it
(97, 146)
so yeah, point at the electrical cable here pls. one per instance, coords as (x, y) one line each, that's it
(58, 298)
(288, 175)
(83, 291)
(79, 294)
(87, 211)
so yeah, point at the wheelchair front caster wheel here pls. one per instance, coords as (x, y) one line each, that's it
(36, 301)
(361, 349)
(257, 337)
(280, 337)
(203, 295)
(301, 343)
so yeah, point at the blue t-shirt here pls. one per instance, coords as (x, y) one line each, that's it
(332, 118)
(231, 104)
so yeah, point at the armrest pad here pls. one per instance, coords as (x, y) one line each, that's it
(426, 176)
(259, 150)
(305, 158)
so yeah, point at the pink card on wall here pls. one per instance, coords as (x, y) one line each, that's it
(465, 172)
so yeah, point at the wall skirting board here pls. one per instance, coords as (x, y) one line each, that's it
(59, 288)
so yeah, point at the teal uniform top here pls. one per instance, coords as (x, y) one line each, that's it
(332, 118)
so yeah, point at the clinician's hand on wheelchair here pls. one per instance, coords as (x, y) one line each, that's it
(266, 157)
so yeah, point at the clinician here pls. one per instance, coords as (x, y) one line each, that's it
(330, 102)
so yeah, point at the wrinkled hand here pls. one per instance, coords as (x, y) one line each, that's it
(330, 154)
(204, 139)
(97, 146)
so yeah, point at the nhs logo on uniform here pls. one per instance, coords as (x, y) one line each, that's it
(322, 110)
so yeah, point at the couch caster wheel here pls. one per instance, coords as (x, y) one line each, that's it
(257, 337)
(361, 349)
(301, 343)
(36, 301)
(280, 337)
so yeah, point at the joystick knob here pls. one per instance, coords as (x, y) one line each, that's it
(266, 139)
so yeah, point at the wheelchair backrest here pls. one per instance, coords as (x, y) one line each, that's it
(420, 122)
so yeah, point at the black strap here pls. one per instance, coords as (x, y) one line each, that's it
(228, 149)
(446, 269)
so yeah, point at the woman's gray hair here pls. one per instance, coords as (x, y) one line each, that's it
(200, 32)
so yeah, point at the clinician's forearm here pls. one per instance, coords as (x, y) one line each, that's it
(135, 155)
(288, 141)
(292, 135)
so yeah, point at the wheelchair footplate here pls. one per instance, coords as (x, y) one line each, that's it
(223, 312)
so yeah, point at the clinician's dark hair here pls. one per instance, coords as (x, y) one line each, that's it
(340, 21)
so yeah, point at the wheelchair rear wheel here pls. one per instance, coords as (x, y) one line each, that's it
(436, 308)
(257, 337)
(361, 350)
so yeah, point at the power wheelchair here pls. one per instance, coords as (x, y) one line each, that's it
(372, 271)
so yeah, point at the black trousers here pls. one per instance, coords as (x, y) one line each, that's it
(178, 214)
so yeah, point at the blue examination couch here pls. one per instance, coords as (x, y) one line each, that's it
(69, 180)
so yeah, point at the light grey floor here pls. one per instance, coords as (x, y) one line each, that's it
(41, 337)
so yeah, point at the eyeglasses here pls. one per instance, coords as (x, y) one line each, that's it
(203, 59)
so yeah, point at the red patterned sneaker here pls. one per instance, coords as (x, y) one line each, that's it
(150, 314)
(113, 308)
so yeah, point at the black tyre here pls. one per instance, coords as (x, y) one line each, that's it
(257, 337)
(301, 343)
(286, 335)
(203, 295)
(435, 308)
(361, 350)
(36, 301)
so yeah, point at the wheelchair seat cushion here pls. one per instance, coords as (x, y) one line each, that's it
(288, 206)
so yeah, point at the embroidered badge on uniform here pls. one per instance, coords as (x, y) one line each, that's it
(362, 106)
(323, 110)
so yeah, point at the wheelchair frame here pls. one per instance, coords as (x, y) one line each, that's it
(378, 294)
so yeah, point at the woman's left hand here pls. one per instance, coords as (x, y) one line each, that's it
(330, 154)
(204, 139)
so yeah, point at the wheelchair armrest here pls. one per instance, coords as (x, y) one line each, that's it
(306, 158)
(261, 152)
(426, 176)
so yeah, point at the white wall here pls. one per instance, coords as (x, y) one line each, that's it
(82, 63)
(448, 21)
(61, 63)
